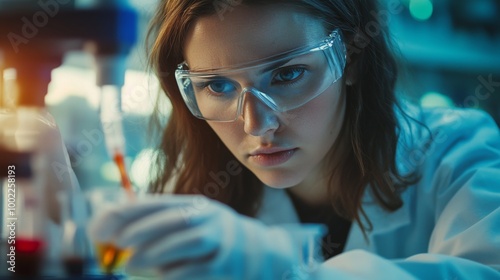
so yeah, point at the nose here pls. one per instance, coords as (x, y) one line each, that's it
(259, 119)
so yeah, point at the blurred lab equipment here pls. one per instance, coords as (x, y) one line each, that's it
(25, 241)
(35, 36)
(450, 52)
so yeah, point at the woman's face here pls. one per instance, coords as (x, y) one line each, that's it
(281, 149)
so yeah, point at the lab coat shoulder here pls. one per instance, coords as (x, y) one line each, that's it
(454, 147)
(466, 187)
(448, 227)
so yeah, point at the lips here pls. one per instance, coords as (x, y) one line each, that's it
(272, 156)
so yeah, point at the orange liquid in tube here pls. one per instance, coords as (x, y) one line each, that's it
(126, 184)
(111, 257)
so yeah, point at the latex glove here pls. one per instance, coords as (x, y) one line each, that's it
(192, 237)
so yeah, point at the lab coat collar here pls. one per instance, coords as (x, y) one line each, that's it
(277, 209)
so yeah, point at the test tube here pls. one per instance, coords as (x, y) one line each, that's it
(111, 119)
(109, 255)
(112, 123)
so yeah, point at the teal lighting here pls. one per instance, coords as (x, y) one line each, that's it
(421, 9)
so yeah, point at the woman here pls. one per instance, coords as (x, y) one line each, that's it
(285, 111)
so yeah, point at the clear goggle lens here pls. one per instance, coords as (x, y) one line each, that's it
(283, 82)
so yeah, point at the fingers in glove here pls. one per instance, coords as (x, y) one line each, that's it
(191, 244)
(151, 227)
(107, 225)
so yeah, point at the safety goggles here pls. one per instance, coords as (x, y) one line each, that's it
(283, 82)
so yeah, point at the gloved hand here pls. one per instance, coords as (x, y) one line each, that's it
(192, 237)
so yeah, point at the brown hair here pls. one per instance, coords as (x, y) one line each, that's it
(192, 152)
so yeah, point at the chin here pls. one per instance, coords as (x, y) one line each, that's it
(279, 180)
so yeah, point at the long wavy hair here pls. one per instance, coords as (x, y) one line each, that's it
(191, 153)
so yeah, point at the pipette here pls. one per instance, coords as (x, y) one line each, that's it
(110, 257)
(111, 119)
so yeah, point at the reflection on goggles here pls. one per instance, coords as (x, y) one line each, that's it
(283, 82)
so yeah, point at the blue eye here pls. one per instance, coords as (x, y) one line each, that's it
(221, 87)
(287, 75)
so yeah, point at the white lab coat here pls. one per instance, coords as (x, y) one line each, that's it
(449, 225)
